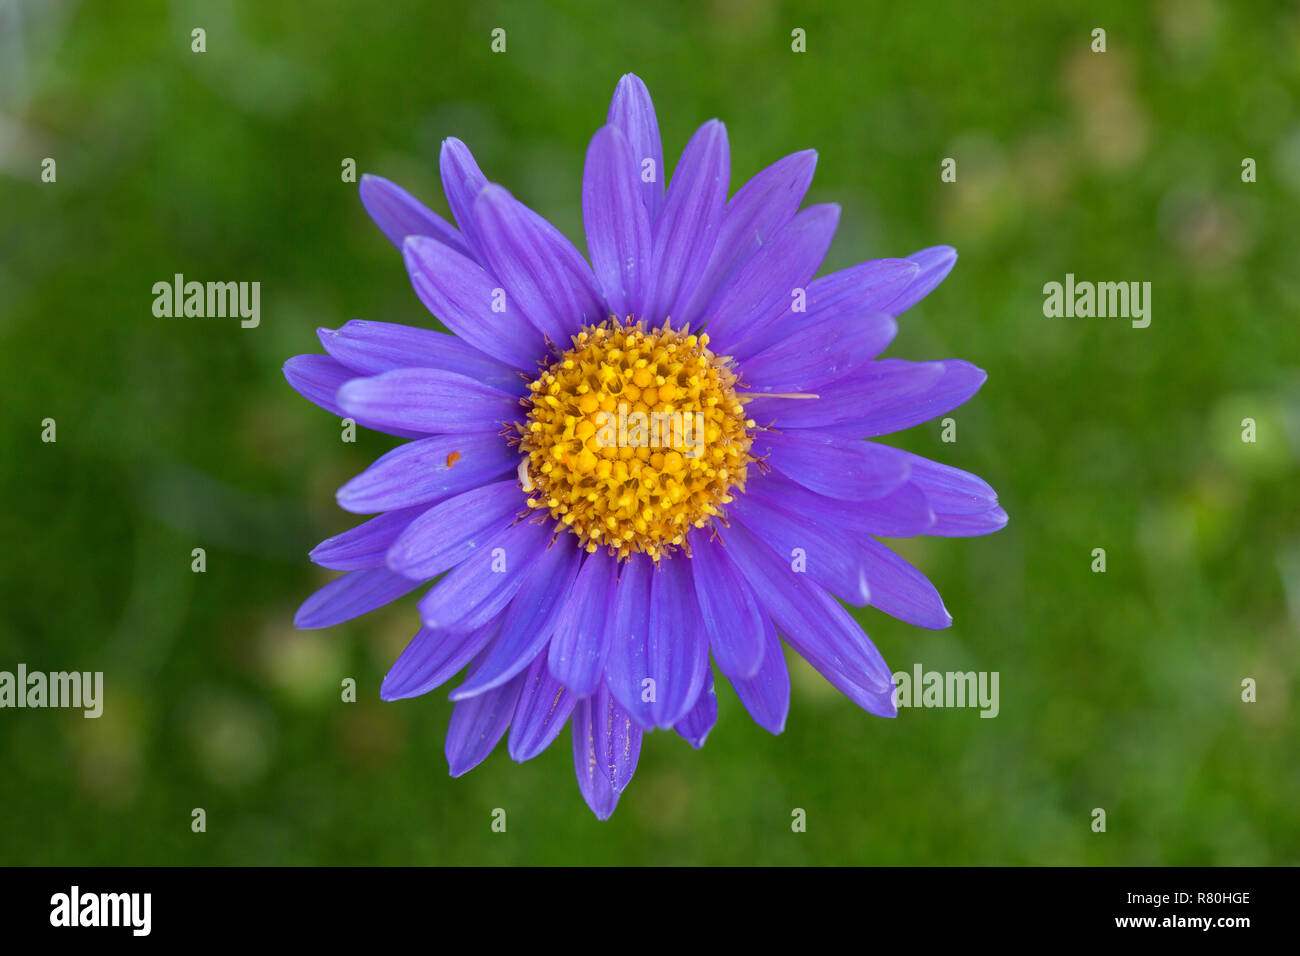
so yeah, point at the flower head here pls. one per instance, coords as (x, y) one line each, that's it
(620, 470)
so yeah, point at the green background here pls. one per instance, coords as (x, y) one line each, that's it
(1119, 690)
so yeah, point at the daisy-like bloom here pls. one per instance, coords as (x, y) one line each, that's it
(618, 471)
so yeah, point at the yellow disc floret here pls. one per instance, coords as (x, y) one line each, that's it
(634, 437)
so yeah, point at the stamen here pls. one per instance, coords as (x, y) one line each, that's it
(634, 437)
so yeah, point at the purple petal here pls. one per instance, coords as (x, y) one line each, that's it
(530, 619)
(950, 490)
(352, 595)
(824, 351)
(544, 706)
(843, 468)
(477, 724)
(657, 658)
(749, 220)
(374, 347)
(676, 654)
(318, 378)
(969, 525)
(885, 396)
(544, 276)
(479, 588)
(766, 695)
(686, 230)
(763, 291)
(699, 720)
(730, 613)
(431, 659)
(957, 383)
(429, 400)
(365, 545)
(902, 591)
(606, 745)
(859, 290)
(829, 560)
(814, 623)
(616, 221)
(426, 470)
(902, 513)
(398, 214)
(448, 533)
(633, 113)
(463, 295)
(580, 644)
(935, 264)
(461, 181)
(629, 623)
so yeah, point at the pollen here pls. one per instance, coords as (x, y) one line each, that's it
(634, 436)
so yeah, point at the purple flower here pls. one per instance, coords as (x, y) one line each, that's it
(618, 470)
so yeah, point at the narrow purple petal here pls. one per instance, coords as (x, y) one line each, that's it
(699, 720)
(352, 595)
(433, 658)
(677, 653)
(470, 302)
(318, 378)
(398, 214)
(544, 706)
(578, 649)
(544, 276)
(879, 387)
(969, 525)
(478, 723)
(448, 533)
(825, 350)
(530, 619)
(865, 288)
(479, 588)
(885, 396)
(633, 113)
(843, 468)
(903, 513)
(461, 181)
(869, 286)
(617, 223)
(606, 745)
(626, 670)
(814, 623)
(763, 292)
(935, 264)
(766, 695)
(426, 470)
(902, 591)
(830, 560)
(686, 230)
(429, 400)
(950, 490)
(749, 220)
(957, 382)
(365, 545)
(729, 611)
(374, 347)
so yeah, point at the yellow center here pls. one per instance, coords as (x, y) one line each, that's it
(634, 437)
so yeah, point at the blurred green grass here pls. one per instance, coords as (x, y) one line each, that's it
(1119, 690)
